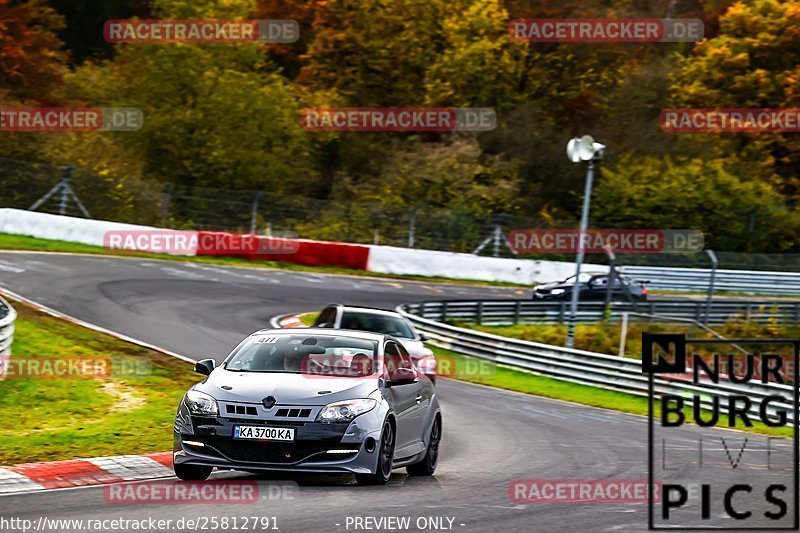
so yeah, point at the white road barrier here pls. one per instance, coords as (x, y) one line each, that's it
(407, 261)
(64, 228)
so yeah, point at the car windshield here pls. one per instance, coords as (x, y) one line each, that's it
(584, 278)
(384, 324)
(325, 355)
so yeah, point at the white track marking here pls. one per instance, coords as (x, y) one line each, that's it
(11, 482)
(131, 467)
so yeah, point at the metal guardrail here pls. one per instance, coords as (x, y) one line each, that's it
(9, 315)
(587, 368)
(504, 312)
(698, 279)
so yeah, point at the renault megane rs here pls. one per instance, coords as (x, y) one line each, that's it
(310, 400)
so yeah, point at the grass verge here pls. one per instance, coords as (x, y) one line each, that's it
(21, 242)
(483, 372)
(125, 402)
(605, 337)
(308, 318)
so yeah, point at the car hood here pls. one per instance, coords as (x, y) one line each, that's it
(415, 348)
(552, 285)
(288, 389)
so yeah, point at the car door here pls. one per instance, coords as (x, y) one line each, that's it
(596, 288)
(404, 400)
(422, 399)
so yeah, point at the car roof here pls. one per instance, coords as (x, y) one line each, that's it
(367, 310)
(328, 332)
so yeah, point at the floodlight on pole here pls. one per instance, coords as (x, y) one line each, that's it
(581, 149)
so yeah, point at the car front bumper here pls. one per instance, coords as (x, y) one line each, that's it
(318, 447)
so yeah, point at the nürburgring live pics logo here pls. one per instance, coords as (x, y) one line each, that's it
(722, 480)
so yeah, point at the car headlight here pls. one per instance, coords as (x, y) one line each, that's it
(200, 403)
(557, 291)
(345, 411)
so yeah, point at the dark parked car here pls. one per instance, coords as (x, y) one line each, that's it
(593, 286)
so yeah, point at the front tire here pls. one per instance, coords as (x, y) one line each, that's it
(427, 466)
(192, 472)
(385, 459)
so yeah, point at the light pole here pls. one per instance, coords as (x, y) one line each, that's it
(581, 149)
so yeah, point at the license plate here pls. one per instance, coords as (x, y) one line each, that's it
(263, 433)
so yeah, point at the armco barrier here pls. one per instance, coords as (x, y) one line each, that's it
(698, 279)
(503, 312)
(7, 317)
(578, 366)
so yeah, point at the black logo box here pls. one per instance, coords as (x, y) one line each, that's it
(674, 346)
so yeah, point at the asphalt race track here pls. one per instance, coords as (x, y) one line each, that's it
(491, 437)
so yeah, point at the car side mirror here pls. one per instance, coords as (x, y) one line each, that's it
(325, 325)
(423, 337)
(205, 367)
(402, 376)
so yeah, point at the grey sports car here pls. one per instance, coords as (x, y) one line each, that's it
(310, 400)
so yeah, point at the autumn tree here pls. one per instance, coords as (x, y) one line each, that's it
(754, 61)
(31, 55)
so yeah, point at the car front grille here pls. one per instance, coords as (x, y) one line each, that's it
(241, 410)
(293, 413)
(275, 452)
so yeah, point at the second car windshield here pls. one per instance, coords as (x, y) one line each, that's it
(384, 324)
(584, 277)
(325, 355)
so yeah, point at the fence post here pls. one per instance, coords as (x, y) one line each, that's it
(479, 316)
(444, 311)
(412, 226)
(713, 257)
(517, 307)
(62, 205)
(421, 309)
(165, 199)
(254, 213)
(561, 310)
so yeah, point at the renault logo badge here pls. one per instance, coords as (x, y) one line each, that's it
(269, 401)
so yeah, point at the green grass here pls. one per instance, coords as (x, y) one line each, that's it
(604, 337)
(21, 242)
(308, 318)
(52, 418)
(482, 372)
